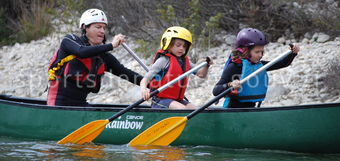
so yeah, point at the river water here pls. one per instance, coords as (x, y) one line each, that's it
(12, 149)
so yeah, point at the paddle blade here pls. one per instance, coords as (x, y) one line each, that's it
(86, 133)
(162, 133)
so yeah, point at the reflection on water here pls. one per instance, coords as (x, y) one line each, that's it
(158, 153)
(78, 151)
(16, 149)
(89, 150)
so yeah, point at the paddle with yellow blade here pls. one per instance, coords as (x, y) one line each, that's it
(166, 131)
(91, 130)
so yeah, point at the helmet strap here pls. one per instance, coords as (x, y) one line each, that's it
(241, 50)
(244, 53)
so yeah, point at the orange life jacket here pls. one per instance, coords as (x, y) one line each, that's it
(177, 90)
(86, 71)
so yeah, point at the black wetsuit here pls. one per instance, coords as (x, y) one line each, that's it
(67, 92)
(233, 72)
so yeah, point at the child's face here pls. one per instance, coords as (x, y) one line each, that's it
(178, 47)
(256, 54)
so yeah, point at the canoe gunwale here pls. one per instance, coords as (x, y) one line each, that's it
(31, 103)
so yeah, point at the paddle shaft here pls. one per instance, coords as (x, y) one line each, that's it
(135, 56)
(192, 114)
(158, 90)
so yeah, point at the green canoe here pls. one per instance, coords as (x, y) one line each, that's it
(307, 128)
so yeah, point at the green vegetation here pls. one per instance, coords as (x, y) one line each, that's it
(34, 23)
(4, 34)
(148, 48)
(167, 14)
(201, 28)
(23, 21)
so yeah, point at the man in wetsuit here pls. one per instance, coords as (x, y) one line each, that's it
(78, 65)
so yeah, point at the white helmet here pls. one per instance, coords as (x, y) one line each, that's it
(92, 16)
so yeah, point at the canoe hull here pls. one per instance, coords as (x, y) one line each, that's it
(313, 128)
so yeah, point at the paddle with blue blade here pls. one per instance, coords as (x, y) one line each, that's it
(90, 131)
(166, 131)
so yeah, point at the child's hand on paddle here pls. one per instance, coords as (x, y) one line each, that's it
(295, 48)
(209, 61)
(236, 84)
(145, 93)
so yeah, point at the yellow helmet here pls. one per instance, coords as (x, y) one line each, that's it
(175, 32)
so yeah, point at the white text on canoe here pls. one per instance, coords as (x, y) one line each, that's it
(130, 122)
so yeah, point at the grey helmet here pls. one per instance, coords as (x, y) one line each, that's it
(250, 37)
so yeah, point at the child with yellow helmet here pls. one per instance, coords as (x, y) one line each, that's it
(171, 61)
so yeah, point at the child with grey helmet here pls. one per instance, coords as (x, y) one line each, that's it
(245, 59)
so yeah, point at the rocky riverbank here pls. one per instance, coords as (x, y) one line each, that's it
(313, 77)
